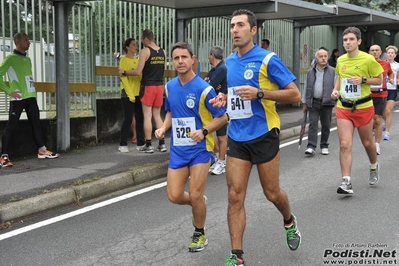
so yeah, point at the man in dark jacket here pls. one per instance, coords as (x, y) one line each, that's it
(317, 100)
(216, 77)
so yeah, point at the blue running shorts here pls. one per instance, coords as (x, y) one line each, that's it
(176, 162)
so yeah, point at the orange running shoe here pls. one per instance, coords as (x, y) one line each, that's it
(47, 154)
(5, 161)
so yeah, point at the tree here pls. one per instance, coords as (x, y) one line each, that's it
(28, 19)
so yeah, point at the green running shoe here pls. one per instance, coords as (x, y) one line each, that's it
(234, 261)
(293, 235)
(198, 243)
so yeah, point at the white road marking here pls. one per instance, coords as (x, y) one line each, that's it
(80, 211)
(102, 204)
(304, 138)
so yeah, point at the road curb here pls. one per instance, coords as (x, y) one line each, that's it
(26, 207)
(289, 132)
(23, 208)
(103, 186)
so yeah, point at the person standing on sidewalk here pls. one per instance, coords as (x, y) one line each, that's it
(131, 105)
(379, 93)
(356, 71)
(256, 79)
(216, 77)
(21, 89)
(138, 112)
(332, 61)
(392, 90)
(152, 66)
(265, 43)
(190, 115)
(317, 100)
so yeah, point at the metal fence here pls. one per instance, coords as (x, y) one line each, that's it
(108, 23)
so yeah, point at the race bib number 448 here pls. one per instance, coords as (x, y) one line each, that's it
(350, 90)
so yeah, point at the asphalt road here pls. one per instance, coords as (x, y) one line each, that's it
(146, 229)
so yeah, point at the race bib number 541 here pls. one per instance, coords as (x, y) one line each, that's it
(236, 107)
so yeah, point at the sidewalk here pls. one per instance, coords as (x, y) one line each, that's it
(79, 175)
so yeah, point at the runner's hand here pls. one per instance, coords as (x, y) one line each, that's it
(334, 94)
(219, 101)
(247, 92)
(160, 133)
(197, 135)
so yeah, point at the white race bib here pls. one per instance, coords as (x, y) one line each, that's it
(30, 84)
(181, 130)
(349, 90)
(236, 107)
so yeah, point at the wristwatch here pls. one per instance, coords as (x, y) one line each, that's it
(260, 94)
(364, 79)
(204, 131)
(124, 72)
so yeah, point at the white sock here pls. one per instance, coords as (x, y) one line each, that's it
(347, 177)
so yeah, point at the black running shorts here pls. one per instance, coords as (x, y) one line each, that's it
(259, 150)
(379, 105)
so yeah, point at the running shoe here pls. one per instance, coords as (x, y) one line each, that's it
(374, 175)
(47, 154)
(324, 151)
(140, 147)
(309, 151)
(162, 148)
(386, 135)
(5, 161)
(213, 165)
(123, 149)
(293, 235)
(149, 149)
(378, 148)
(134, 140)
(192, 218)
(198, 242)
(234, 261)
(345, 187)
(219, 169)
